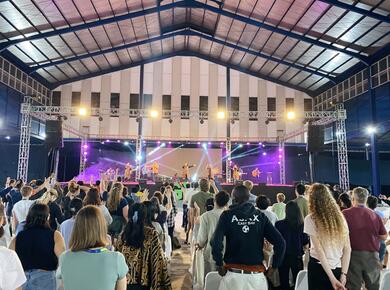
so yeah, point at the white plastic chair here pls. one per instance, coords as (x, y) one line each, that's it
(301, 283)
(212, 281)
(385, 280)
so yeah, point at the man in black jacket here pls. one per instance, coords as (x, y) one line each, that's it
(245, 228)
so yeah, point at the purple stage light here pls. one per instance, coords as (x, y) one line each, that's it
(85, 146)
(247, 143)
(198, 143)
(264, 153)
(85, 153)
(280, 156)
(169, 142)
(158, 142)
(279, 162)
(260, 143)
(103, 142)
(209, 143)
(118, 141)
(108, 140)
(280, 149)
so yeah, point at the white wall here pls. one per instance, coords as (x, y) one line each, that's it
(183, 76)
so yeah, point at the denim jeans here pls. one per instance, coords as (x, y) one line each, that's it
(40, 280)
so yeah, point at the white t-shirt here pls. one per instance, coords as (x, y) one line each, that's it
(11, 270)
(188, 193)
(333, 252)
(21, 209)
(273, 218)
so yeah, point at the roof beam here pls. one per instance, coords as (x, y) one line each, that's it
(92, 24)
(265, 56)
(358, 10)
(107, 50)
(182, 32)
(250, 21)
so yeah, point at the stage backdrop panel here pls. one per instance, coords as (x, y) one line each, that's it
(171, 160)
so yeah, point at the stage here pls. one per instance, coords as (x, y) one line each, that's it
(268, 190)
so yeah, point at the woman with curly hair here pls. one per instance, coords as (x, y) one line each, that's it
(330, 246)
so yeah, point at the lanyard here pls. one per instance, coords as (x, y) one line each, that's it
(97, 251)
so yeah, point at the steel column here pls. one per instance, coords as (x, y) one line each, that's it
(25, 133)
(375, 175)
(282, 162)
(342, 150)
(227, 117)
(138, 145)
(83, 158)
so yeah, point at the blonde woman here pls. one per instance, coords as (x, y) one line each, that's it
(118, 207)
(56, 215)
(89, 265)
(330, 247)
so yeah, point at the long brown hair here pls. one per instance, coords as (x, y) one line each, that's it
(114, 196)
(92, 197)
(326, 214)
(90, 229)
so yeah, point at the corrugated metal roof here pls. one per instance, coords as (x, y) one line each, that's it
(301, 44)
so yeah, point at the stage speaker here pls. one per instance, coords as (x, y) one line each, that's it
(315, 138)
(53, 131)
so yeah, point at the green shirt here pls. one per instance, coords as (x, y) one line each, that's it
(91, 271)
(200, 198)
(280, 210)
(302, 204)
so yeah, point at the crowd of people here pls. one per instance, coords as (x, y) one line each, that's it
(99, 236)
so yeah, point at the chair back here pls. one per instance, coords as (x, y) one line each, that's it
(212, 281)
(385, 280)
(301, 283)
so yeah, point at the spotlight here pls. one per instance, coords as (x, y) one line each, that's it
(108, 141)
(371, 130)
(201, 121)
(204, 145)
(118, 141)
(153, 113)
(367, 144)
(163, 145)
(82, 111)
(158, 142)
(198, 143)
(264, 153)
(43, 135)
(100, 118)
(85, 153)
(247, 143)
(280, 149)
(7, 137)
(170, 121)
(260, 143)
(280, 156)
(290, 115)
(221, 115)
(126, 143)
(85, 146)
(139, 157)
(209, 143)
(169, 142)
(239, 145)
